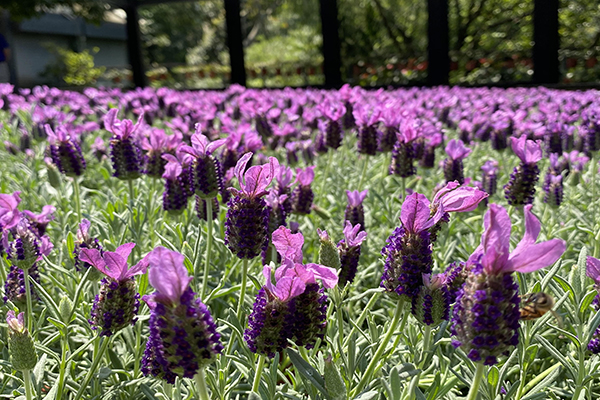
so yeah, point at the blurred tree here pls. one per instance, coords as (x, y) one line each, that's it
(91, 10)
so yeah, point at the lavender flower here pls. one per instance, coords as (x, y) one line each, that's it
(349, 249)
(354, 210)
(553, 190)
(489, 179)
(284, 179)
(408, 252)
(65, 152)
(453, 166)
(247, 224)
(403, 154)
(294, 308)
(125, 152)
(117, 304)
(367, 133)
(85, 241)
(175, 196)
(39, 222)
(521, 187)
(302, 196)
(183, 336)
(333, 131)
(207, 175)
(486, 315)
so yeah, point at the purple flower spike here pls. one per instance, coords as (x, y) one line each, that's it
(117, 304)
(457, 150)
(453, 166)
(354, 210)
(39, 222)
(302, 196)
(486, 314)
(247, 223)
(207, 174)
(183, 336)
(521, 187)
(65, 152)
(125, 151)
(349, 250)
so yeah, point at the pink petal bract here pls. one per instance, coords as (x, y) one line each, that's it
(167, 274)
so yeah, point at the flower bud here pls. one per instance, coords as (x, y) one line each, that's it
(208, 179)
(328, 252)
(20, 344)
(64, 308)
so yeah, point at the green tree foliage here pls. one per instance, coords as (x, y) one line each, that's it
(91, 10)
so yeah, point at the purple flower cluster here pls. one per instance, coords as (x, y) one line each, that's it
(294, 308)
(65, 152)
(183, 336)
(486, 315)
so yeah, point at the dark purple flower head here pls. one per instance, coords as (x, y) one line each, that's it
(125, 151)
(354, 210)
(85, 241)
(65, 152)
(183, 336)
(302, 195)
(486, 316)
(349, 251)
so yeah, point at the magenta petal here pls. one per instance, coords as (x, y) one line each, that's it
(593, 269)
(109, 119)
(116, 265)
(518, 146)
(240, 167)
(172, 170)
(200, 143)
(289, 287)
(138, 269)
(268, 283)
(288, 244)
(537, 256)
(212, 146)
(463, 199)
(532, 231)
(327, 275)
(305, 176)
(93, 257)
(125, 250)
(84, 227)
(495, 240)
(45, 247)
(415, 213)
(167, 274)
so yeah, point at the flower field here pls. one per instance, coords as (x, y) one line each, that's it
(434, 243)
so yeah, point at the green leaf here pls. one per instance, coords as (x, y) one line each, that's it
(591, 327)
(558, 355)
(585, 303)
(367, 395)
(70, 245)
(493, 376)
(38, 371)
(306, 370)
(48, 300)
(395, 384)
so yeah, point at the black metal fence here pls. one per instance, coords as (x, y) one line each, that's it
(439, 60)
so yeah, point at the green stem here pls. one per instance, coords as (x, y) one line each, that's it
(382, 346)
(27, 383)
(240, 307)
(426, 344)
(77, 198)
(209, 240)
(403, 187)
(29, 310)
(92, 371)
(63, 362)
(2, 270)
(259, 368)
(197, 254)
(201, 385)
(138, 342)
(340, 323)
(476, 381)
(364, 172)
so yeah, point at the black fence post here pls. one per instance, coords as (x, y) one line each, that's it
(235, 41)
(546, 42)
(134, 44)
(438, 44)
(332, 60)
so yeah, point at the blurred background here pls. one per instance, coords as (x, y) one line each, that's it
(276, 43)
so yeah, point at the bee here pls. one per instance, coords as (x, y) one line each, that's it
(534, 305)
